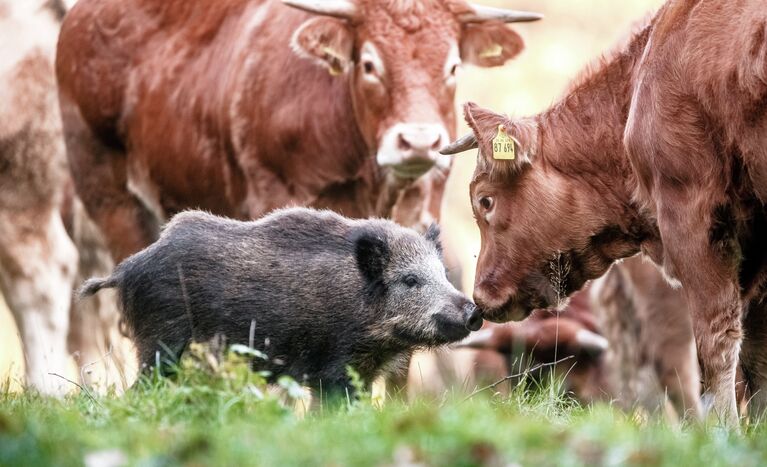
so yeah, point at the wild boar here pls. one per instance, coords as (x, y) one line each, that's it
(314, 291)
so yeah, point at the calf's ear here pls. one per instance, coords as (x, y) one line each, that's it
(371, 252)
(505, 145)
(489, 44)
(327, 42)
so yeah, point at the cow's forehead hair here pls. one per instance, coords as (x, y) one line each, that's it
(413, 15)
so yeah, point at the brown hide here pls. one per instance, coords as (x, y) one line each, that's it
(661, 148)
(173, 104)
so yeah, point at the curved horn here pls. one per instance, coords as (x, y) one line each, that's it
(486, 13)
(464, 143)
(344, 9)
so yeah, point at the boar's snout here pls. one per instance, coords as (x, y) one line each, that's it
(457, 318)
(473, 317)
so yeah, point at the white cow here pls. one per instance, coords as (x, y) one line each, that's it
(38, 259)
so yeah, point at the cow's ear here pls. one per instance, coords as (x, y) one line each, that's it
(489, 44)
(506, 145)
(326, 41)
(371, 251)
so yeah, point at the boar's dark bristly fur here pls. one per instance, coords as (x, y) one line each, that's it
(324, 292)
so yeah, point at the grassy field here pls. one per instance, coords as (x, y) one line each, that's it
(225, 415)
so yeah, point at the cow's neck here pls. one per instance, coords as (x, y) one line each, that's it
(582, 137)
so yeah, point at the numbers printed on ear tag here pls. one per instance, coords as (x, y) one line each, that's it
(503, 145)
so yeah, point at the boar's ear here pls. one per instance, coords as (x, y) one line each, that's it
(489, 44)
(325, 41)
(371, 252)
(432, 234)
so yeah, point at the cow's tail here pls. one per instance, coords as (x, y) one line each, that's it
(94, 284)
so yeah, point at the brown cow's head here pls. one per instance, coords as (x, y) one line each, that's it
(544, 232)
(401, 59)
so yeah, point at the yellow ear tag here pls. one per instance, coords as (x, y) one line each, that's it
(334, 60)
(493, 51)
(503, 145)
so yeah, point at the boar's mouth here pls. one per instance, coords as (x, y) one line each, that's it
(449, 330)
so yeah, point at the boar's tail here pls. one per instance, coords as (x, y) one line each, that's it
(94, 284)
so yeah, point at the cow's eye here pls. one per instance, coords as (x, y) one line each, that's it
(369, 67)
(410, 280)
(486, 202)
(454, 70)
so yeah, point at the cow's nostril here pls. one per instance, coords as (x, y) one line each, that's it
(403, 143)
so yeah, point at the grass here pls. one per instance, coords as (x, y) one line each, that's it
(221, 414)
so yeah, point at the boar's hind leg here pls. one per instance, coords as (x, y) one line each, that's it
(99, 171)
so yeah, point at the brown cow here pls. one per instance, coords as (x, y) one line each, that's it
(242, 106)
(662, 148)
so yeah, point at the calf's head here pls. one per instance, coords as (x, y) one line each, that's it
(406, 288)
(400, 58)
(544, 232)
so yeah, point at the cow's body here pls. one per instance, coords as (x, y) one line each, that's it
(661, 149)
(701, 163)
(567, 345)
(175, 104)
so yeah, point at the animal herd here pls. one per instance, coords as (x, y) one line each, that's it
(624, 225)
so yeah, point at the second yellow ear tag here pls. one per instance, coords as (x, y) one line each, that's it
(503, 145)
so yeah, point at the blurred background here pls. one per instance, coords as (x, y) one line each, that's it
(572, 35)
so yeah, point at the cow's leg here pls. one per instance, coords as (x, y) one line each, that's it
(37, 264)
(100, 175)
(754, 358)
(678, 374)
(105, 357)
(704, 265)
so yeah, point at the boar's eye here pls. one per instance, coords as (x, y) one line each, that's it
(411, 280)
(486, 202)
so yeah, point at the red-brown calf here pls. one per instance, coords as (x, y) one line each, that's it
(663, 149)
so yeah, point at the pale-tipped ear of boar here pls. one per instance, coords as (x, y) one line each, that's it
(433, 234)
(371, 251)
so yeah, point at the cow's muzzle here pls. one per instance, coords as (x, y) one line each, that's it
(412, 149)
